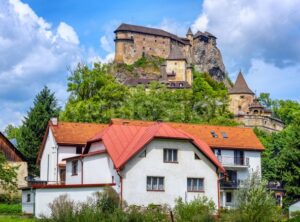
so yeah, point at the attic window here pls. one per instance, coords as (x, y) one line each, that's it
(78, 150)
(224, 134)
(197, 157)
(142, 154)
(214, 134)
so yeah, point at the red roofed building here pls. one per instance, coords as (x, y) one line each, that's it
(145, 162)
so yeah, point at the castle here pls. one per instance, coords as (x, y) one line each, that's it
(132, 42)
(248, 110)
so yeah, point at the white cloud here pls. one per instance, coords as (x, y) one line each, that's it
(106, 44)
(67, 33)
(173, 26)
(34, 54)
(252, 33)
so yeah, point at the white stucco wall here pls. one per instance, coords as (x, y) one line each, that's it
(98, 146)
(46, 196)
(28, 207)
(96, 169)
(65, 152)
(73, 179)
(175, 174)
(48, 164)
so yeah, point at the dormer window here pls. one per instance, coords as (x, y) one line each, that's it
(214, 134)
(224, 134)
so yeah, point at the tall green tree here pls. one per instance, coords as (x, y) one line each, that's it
(34, 126)
(95, 96)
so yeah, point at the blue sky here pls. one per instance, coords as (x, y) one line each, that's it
(40, 40)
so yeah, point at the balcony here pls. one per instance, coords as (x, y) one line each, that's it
(230, 184)
(233, 162)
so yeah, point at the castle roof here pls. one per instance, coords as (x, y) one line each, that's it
(149, 31)
(189, 32)
(256, 104)
(176, 54)
(204, 34)
(240, 86)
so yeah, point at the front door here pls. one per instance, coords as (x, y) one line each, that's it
(62, 175)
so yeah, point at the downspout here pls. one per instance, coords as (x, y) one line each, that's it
(121, 188)
(218, 185)
(81, 170)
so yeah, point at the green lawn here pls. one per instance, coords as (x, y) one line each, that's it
(6, 218)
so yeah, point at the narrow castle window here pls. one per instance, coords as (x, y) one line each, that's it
(242, 97)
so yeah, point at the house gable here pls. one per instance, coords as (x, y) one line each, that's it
(10, 152)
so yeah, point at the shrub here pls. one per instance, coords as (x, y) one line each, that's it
(295, 216)
(9, 198)
(108, 200)
(63, 209)
(255, 203)
(152, 213)
(200, 209)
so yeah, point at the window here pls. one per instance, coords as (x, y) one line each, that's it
(175, 63)
(242, 97)
(170, 155)
(195, 184)
(240, 108)
(218, 152)
(197, 157)
(214, 134)
(75, 167)
(78, 150)
(224, 134)
(28, 199)
(228, 197)
(155, 184)
(180, 85)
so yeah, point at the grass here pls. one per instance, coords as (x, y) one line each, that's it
(7, 218)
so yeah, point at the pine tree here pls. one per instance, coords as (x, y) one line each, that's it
(34, 126)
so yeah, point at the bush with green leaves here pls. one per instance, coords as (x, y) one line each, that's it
(255, 203)
(198, 210)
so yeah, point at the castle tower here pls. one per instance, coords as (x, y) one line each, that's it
(190, 35)
(176, 65)
(241, 96)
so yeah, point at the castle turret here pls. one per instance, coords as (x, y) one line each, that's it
(241, 96)
(190, 35)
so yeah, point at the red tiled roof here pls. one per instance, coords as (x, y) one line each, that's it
(70, 133)
(238, 137)
(122, 142)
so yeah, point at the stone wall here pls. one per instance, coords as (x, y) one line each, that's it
(179, 67)
(131, 46)
(262, 122)
(239, 103)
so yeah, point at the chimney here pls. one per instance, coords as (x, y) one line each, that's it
(54, 121)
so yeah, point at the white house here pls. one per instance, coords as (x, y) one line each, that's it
(152, 162)
(62, 140)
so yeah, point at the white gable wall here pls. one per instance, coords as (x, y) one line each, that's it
(98, 146)
(66, 152)
(175, 174)
(48, 164)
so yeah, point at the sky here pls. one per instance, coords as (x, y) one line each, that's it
(42, 40)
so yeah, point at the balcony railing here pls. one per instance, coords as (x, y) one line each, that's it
(233, 161)
(233, 184)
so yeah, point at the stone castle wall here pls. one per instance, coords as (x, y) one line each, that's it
(204, 54)
(239, 103)
(262, 122)
(130, 46)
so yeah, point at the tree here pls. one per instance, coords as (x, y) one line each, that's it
(8, 175)
(95, 96)
(12, 132)
(34, 126)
